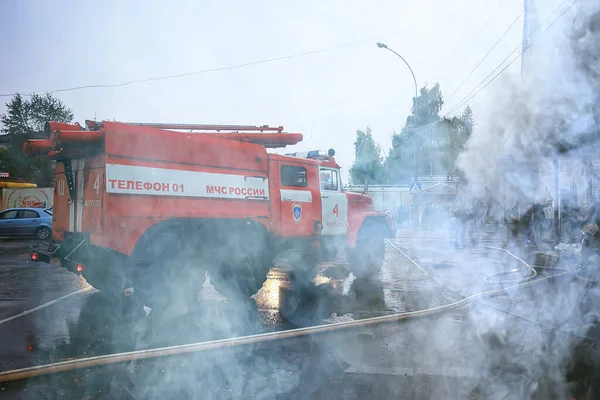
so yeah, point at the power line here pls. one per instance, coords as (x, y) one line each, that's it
(432, 121)
(248, 64)
(469, 96)
(484, 26)
(465, 99)
(486, 54)
(514, 59)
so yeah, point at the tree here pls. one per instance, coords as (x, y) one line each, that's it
(24, 120)
(453, 134)
(368, 164)
(437, 140)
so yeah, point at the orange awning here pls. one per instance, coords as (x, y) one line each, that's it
(17, 185)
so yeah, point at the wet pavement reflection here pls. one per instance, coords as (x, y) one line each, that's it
(99, 329)
(417, 356)
(89, 323)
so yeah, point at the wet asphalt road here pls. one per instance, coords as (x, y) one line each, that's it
(460, 354)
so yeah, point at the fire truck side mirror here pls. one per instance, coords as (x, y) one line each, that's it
(331, 152)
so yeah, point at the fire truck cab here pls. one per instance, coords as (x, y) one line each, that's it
(156, 206)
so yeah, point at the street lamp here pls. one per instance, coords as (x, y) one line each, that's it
(383, 46)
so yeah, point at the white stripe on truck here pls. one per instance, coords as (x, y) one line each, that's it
(71, 201)
(80, 193)
(129, 179)
(301, 196)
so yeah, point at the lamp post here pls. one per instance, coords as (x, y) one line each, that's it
(383, 46)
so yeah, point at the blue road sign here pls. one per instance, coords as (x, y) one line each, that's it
(415, 188)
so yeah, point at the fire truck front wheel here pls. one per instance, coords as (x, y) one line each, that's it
(366, 259)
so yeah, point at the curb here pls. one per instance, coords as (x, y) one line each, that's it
(18, 250)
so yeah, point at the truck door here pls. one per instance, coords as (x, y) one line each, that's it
(334, 203)
(298, 189)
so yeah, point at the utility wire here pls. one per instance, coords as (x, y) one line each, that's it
(248, 64)
(471, 94)
(486, 54)
(456, 53)
(509, 55)
(432, 121)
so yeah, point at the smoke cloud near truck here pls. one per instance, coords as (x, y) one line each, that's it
(197, 236)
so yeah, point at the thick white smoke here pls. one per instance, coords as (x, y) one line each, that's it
(548, 113)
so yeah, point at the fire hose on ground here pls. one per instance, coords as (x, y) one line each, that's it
(64, 366)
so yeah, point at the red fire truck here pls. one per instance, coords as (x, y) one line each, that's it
(155, 206)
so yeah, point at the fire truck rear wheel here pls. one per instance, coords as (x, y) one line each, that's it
(172, 282)
(366, 259)
(243, 260)
(243, 278)
(171, 265)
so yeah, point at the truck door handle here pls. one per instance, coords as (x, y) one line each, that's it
(324, 197)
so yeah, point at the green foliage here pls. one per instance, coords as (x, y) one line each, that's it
(368, 164)
(25, 119)
(437, 140)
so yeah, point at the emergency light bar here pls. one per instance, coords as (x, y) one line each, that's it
(312, 154)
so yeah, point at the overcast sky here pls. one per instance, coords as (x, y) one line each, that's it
(325, 95)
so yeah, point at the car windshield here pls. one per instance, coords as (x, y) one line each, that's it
(204, 244)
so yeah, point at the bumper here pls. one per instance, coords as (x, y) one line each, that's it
(50, 258)
(68, 253)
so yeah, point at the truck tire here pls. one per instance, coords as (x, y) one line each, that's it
(328, 253)
(170, 268)
(244, 258)
(239, 281)
(366, 259)
(330, 247)
(171, 284)
(300, 302)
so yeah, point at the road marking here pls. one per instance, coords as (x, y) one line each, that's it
(5, 320)
(456, 373)
(413, 262)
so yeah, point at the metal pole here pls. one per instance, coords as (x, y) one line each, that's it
(383, 46)
(557, 200)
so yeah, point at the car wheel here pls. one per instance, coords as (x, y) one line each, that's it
(42, 233)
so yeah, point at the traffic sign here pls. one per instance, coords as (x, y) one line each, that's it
(415, 188)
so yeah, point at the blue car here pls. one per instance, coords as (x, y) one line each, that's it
(26, 222)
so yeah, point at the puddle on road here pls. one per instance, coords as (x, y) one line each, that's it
(93, 328)
(339, 292)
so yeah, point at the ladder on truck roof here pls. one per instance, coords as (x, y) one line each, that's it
(206, 127)
(268, 136)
